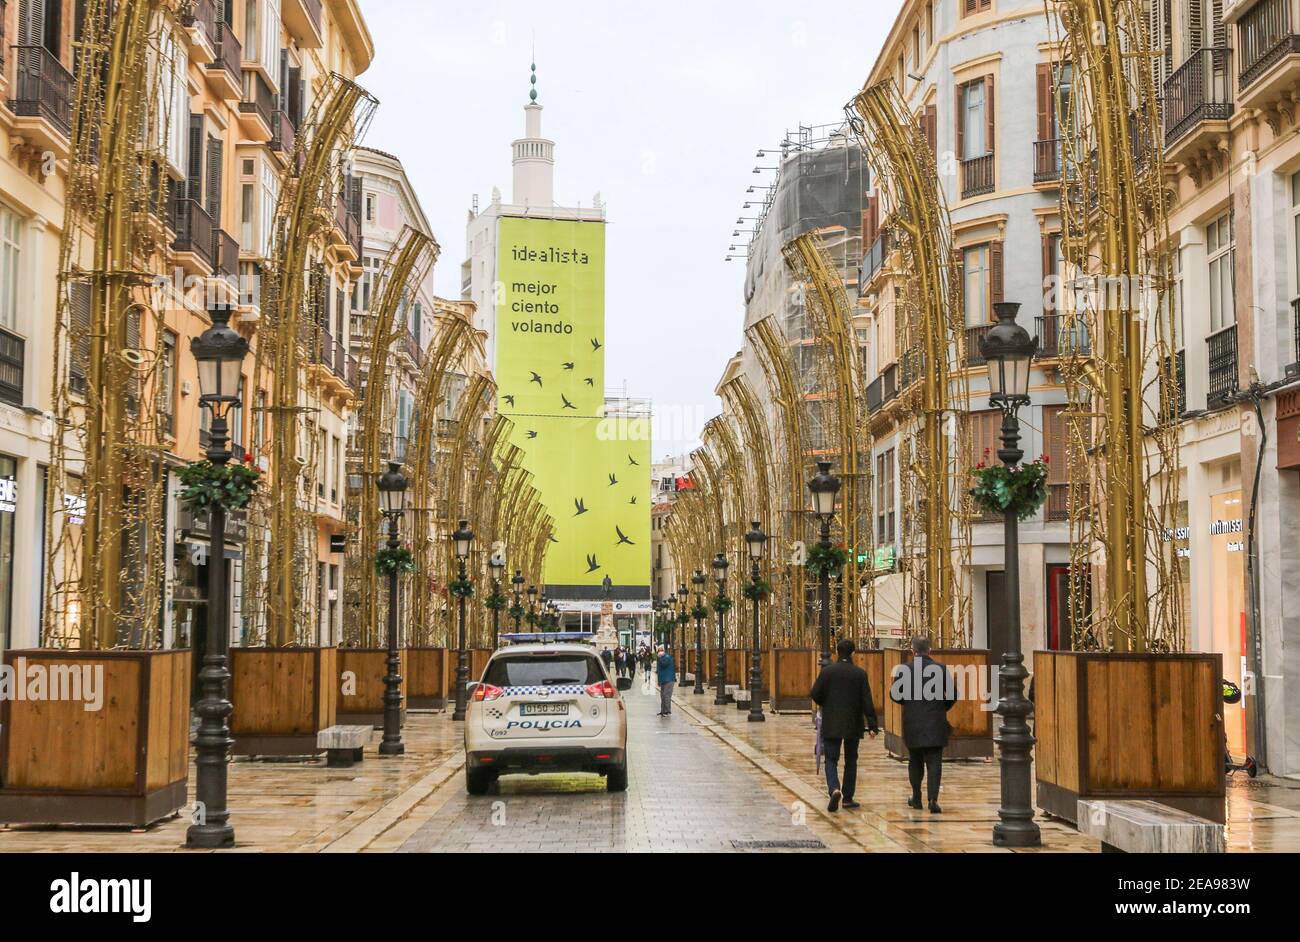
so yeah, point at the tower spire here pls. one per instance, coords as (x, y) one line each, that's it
(532, 92)
(534, 155)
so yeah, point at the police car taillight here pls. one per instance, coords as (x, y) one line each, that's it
(603, 689)
(486, 692)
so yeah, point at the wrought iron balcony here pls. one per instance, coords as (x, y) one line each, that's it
(258, 100)
(282, 133)
(13, 359)
(201, 14)
(1060, 335)
(974, 356)
(229, 62)
(874, 260)
(1223, 365)
(1265, 36)
(225, 253)
(1200, 90)
(195, 233)
(1058, 503)
(42, 87)
(890, 375)
(349, 223)
(1047, 161)
(977, 176)
(875, 394)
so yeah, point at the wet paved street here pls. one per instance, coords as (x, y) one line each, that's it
(687, 792)
(701, 780)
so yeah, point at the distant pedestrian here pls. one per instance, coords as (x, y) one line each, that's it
(925, 690)
(844, 695)
(607, 656)
(666, 669)
(647, 661)
(620, 660)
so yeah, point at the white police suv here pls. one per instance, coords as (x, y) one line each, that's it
(545, 703)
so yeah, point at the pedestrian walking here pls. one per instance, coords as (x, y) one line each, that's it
(648, 662)
(620, 660)
(666, 669)
(926, 693)
(607, 656)
(844, 695)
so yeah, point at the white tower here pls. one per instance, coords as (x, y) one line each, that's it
(534, 158)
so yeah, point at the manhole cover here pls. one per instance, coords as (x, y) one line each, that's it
(811, 844)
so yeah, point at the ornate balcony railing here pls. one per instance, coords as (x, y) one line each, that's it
(230, 54)
(225, 253)
(201, 13)
(349, 223)
(1264, 35)
(258, 98)
(13, 359)
(1047, 161)
(1200, 90)
(1060, 335)
(977, 176)
(1223, 365)
(974, 357)
(1058, 503)
(42, 87)
(890, 375)
(282, 133)
(194, 230)
(875, 394)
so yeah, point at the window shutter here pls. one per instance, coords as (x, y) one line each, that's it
(215, 164)
(995, 272)
(1219, 28)
(1055, 444)
(1193, 30)
(1043, 82)
(960, 112)
(990, 111)
(79, 327)
(282, 99)
(194, 174)
(932, 128)
(31, 23)
(293, 106)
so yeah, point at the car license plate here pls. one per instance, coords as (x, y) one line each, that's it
(543, 709)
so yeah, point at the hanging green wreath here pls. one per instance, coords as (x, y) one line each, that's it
(531, 618)
(826, 560)
(228, 486)
(758, 590)
(684, 618)
(721, 605)
(516, 612)
(390, 561)
(1022, 489)
(496, 602)
(461, 588)
(699, 613)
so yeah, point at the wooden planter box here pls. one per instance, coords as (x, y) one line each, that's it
(972, 726)
(282, 698)
(427, 675)
(1129, 726)
(123, 765)
(736, 671)
(478, 658)
(793, 671)
(364, 706)
(873, 662)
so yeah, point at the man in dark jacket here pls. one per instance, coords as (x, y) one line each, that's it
(844, 695)
(925, 690)
(666, 668)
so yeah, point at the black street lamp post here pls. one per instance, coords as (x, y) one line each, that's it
(824, 486)
(532, 607)
(755, 542)
(720, 669)
(518, 582)
(683, 619)
(1009, 351)
(495, 565)
(220, 352)
(461, 540)
(698, 581)
(392, 493)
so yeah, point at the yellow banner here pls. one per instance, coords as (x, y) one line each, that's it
(593, 474)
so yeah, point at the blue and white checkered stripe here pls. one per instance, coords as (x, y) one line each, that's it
(537, 689)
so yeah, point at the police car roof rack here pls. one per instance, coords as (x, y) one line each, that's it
(548, 637)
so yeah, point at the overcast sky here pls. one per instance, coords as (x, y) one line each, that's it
(658, 106)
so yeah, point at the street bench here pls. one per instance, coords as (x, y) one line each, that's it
(343, 745)
(1148, 827)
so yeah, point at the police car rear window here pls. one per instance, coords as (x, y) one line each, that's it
(540, 670)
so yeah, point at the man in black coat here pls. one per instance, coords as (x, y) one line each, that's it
(844, 695)
(925, 690)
